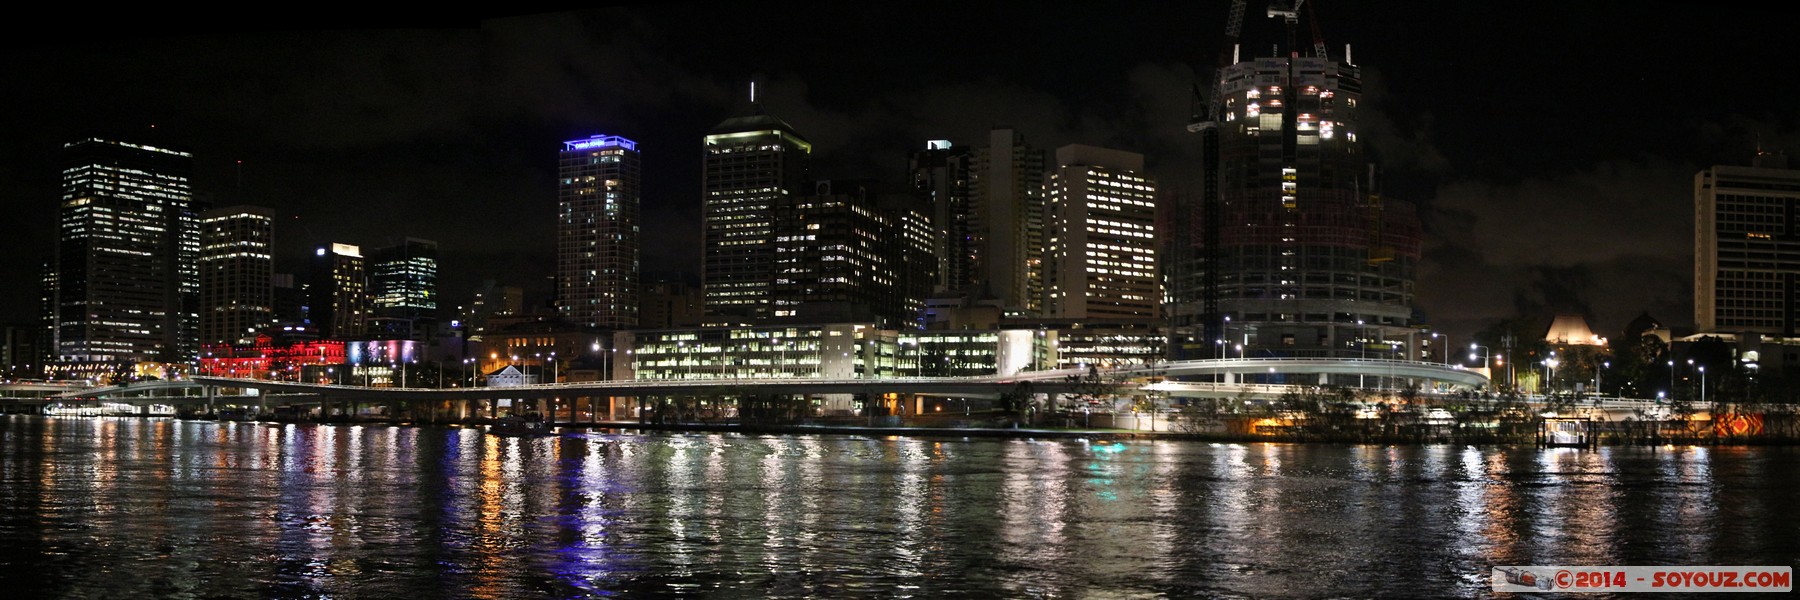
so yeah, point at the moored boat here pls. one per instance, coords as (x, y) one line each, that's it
(520, 427)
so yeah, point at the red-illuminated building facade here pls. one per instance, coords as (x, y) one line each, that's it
(311, 362)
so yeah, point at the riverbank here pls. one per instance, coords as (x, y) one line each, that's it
(1411, 438)
(1523, 433)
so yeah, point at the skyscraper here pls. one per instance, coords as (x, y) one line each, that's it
(403, 289)
(750, 164)
(126, 280)
(1008, 220)
(597, 249)
(1287, 248)
(1100, 235)
(1746, 259)
(942, 173)
(236, 271)
(338, 299)
(849, 252)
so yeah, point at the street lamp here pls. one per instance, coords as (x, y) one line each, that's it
(1485, 355)
(1226, 331)
(1671, 378)
(1447, 345)
(1550, 371)
(1690, 369)
(603, 366)
(1361, 345)
(1703, 384)
(1604, 365)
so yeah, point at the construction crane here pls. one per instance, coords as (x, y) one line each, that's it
(1318, 38)
(1209, 106)
(1290, 15)
(1208, 116)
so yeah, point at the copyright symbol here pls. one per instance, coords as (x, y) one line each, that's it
(1563, 578)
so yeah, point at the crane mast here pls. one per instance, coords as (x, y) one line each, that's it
(1208, 118)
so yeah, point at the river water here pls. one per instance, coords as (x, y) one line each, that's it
(103, 507)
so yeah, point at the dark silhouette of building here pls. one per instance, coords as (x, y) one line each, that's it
(1007, 221)
(943, 174)
(670, 304)
(849, 252)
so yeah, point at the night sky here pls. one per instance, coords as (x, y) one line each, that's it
(1551, 146)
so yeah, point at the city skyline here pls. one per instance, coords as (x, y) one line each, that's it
(1455, 125)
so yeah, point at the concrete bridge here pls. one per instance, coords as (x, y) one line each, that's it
(1226, 375)
(1220, 378)
(1226, 378)
(1061, 381)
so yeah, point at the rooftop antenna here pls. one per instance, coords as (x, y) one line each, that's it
(753, 104)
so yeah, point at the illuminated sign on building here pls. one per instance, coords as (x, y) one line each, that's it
(600, 141)
(381, 352)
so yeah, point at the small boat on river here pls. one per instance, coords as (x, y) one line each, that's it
(528, 426)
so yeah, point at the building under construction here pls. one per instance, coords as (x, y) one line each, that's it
(1283, 245)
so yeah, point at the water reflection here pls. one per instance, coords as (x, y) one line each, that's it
(174, 508)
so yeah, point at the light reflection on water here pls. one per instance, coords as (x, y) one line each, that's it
(130, 507)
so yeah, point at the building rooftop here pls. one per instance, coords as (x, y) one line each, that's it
(1572, 330)
(756, 122)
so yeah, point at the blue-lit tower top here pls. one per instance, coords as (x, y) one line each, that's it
(599, 141)
(597, 246)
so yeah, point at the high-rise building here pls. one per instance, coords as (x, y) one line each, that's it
(1008, 220)
(1100, 236)
(1285, 247)
(750, 164)
(403, 298)
(669, 304)
(494, 300)
(942, 173)
(21, 351)
(1747, 248)
(291, 304)
(126, 280)
(47, 312)
(236, 270)
(338, 299)
(850, 252)
(597, 262)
